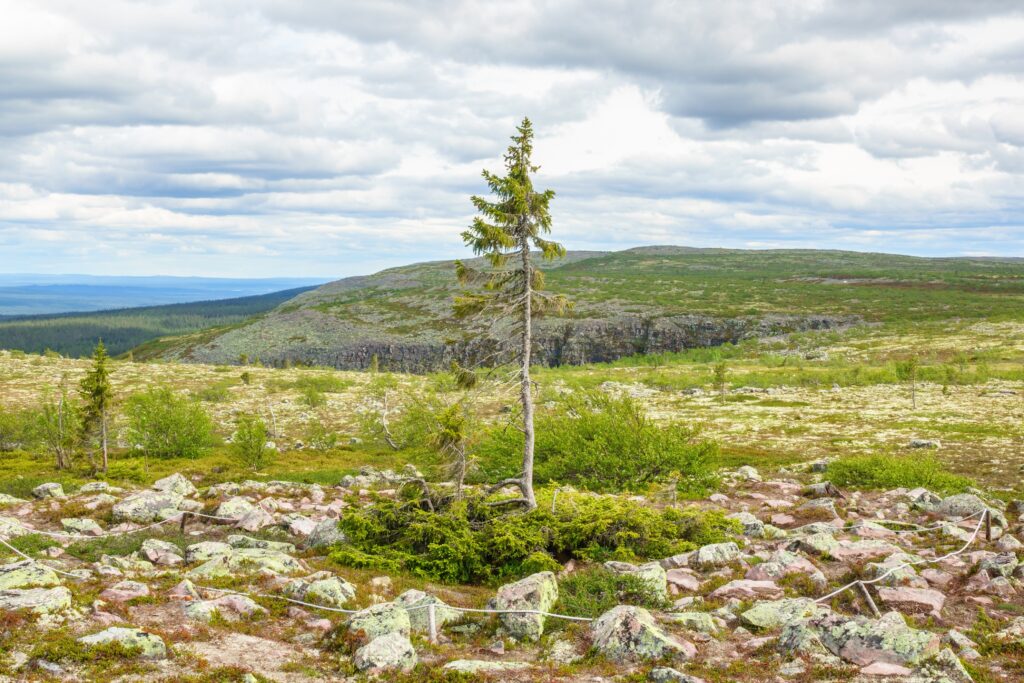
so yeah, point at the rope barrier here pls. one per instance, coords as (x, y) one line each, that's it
(181, 514)
(864, 583)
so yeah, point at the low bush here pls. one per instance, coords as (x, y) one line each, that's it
(164, 424)
(19, 429)
(602, 443)
(889, 472)
(470, 542)
(592, 592)
(250, 442)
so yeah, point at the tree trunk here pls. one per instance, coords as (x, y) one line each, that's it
(103, 437)
(526, 395)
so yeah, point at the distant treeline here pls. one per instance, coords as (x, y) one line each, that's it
(75, 334)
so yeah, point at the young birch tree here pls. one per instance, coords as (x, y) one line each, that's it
(508, 227)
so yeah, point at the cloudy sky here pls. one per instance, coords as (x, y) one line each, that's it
(334, 137)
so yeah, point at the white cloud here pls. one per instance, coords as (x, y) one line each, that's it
(288, 137)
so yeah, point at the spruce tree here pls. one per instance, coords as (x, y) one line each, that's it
(508, 227)
(98, 396)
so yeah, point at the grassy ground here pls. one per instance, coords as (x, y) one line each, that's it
(788, 400)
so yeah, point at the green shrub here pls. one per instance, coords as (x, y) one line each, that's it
(312, 397)
(215, 393)
(249, 444)
(320, 438)
(889, 472)
(19, 429)
(592, 592)
(164, 424)
(603, 443)
(470, 542)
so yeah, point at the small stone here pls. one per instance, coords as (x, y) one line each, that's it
(538, 592)
(914, 600)
(745, 589)
(379, 620)
(325, 534)
(176, 484)
(124, 591)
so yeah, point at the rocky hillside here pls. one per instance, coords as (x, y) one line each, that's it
(110, 584)
(644, 300)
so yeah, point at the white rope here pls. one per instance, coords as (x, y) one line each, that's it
(917, 528)
(408, 609)
(35, 561)
(909, 563)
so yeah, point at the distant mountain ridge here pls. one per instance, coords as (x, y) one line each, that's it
(642, 300)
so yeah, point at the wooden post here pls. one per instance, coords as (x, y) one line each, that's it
(184, 516)
(432, 623)
(988, 524)
(870, 600)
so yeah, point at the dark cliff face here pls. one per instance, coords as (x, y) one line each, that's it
(565, 342)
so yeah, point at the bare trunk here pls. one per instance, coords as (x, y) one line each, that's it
(103, 437)
(526, 395)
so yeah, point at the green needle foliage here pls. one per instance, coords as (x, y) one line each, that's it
(511, 289)
(98, 396)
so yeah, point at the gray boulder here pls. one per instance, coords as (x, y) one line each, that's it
(379, 620)
(967, 504)
(861, 641)
(651, 573)
(626, 633)
(27, 574)
(325, 534)
(390, 651)
(147, 506)
(415, 602)
(176, 484)
(144, 645)
(535, 593)
(49, 490)
(321, 588)
(36, 600)
(715, 555)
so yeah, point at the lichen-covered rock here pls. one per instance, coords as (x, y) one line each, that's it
(234, 508)
(7, 499)
(945, 667)
(822, 544)
(701, 622)
(123, 591)
(242, 561)
(651, 573)
(752, 526)
(863, 641)
(379, 620)
(144, 645)
(390, 651)
(27, 574)
(537, 592)
(626, 633)
(325, 534)
(147, 506)
(415, 601)
(36, 600)
(239, 541)
(715, 555)
(227, 606)
(48, 490)
(965, 505)
(321, 588)
(161, 552)
(176, 484)
(207, 550)
(1002, 564)
(770, 614)
(82, 525)
(255, 519)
